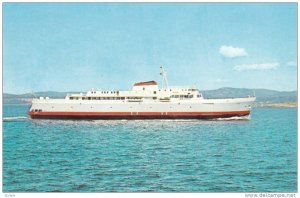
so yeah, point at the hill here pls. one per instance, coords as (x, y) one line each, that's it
(26, 98)
(262, 95)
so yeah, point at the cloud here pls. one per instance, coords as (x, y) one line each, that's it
(232, 52)
(263, 66)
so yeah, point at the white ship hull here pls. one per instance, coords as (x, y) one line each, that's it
(200, 109)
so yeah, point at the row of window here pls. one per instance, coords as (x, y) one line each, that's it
(106, 92)
(123, 98)
(185, 96)
(97, 98)
(113, 92)
(108, 98)
(181, 96)
(181, 90)
(36, 110)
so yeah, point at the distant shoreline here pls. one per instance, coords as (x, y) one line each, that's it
(277, 104)
(256, 105)
(264, 97)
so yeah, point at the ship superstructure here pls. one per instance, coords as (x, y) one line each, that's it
(144, 101)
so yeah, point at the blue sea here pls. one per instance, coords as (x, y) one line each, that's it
(256, 155)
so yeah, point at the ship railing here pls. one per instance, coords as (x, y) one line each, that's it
(182, 87)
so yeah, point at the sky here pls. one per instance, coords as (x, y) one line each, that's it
(110, 46)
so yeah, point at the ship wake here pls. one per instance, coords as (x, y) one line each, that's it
(15, 119)
(234, 118)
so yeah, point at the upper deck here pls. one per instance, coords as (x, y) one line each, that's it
(143, 90)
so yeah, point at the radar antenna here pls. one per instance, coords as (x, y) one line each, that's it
(164, 77)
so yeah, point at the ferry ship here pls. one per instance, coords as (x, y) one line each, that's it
(144, 101)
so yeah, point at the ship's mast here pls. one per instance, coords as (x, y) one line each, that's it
(164, 77)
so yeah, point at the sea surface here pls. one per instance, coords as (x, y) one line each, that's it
(256, 155)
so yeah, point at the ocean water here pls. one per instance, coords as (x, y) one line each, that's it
(259, 155)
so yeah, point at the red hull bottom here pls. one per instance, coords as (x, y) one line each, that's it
(136, 116)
